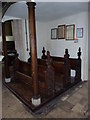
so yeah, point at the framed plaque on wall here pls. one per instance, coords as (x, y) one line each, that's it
(61, 32)
(54, 33)
(79, 33)
(70, 32)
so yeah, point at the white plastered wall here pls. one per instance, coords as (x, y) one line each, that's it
(89, 41)
(20, 38)
(57, 47)
(41, 36)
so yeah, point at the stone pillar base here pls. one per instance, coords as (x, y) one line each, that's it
(7, 80)
(36, 102)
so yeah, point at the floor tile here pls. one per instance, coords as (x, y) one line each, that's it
(77, 108)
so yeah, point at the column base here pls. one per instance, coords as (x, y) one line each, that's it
(7, 80)
(36, 101)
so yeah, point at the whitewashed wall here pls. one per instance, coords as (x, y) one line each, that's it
(89, 41)
(20, 39)
(42, 37)
(57, 47)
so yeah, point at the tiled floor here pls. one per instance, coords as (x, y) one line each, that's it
(73, 105)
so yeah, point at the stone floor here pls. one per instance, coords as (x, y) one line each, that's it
(0, 91)
(70, 105)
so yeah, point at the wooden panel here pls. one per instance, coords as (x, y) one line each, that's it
(25, 68)
(42, 62)
(24, 78)
(58, 67)
(59, 59)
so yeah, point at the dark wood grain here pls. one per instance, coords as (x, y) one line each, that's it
(72, 64)
(33, 46)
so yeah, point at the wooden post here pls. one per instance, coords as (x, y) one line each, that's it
(50, 74)
(78, 70)
(67, 80)
(7, 72)
(33, 50)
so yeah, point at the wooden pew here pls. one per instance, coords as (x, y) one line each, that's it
(61, 69)
(23, 73)
(75, 63)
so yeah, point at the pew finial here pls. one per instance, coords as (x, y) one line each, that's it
(49, 60)
(48, 54)
(66, 51)
(79, 53)
(66, 54)
(43, 52)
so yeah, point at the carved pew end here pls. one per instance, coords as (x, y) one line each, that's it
(67, 79)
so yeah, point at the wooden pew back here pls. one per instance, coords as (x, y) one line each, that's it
(58, 67)
(25, 68)
(75, 63)
(41, 72)
(42, 62)
(58, 59)
(23, 73)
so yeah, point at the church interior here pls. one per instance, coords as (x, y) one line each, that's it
(44, 60)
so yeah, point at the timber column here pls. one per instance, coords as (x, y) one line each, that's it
(33, 49)
(7, 72)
